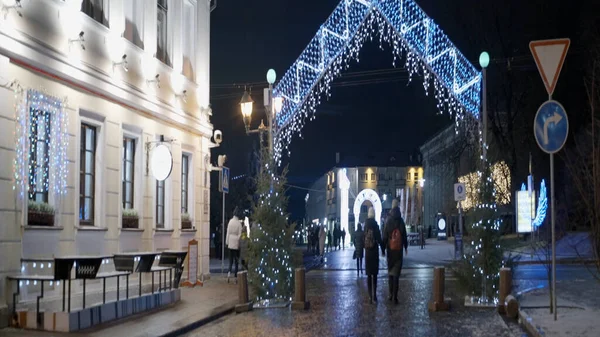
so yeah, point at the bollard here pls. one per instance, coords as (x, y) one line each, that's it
(244, 303)
(505, 288)
(512, 306)
(438, 303)
(300, 302)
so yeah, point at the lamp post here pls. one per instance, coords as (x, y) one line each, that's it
(484, 61)
(273, 105)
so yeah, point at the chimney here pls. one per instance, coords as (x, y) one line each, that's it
(337, 158)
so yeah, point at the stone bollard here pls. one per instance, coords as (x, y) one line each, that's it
(511, 306)
(505, 288)
(244, 303)
(300, 302)
(438, 303)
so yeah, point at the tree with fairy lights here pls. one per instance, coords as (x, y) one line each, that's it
(270, 260)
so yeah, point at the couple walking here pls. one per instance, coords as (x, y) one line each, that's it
(393, 241)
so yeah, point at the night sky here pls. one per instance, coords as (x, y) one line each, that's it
(373, 107)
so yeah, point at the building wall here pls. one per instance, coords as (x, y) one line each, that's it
(35, 53)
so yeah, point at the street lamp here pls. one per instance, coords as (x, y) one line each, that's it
(484, 61)
(246, 105)
(273, 105)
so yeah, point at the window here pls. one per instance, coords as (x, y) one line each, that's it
(39, 157)
(185, 159)
(162, 41)
(381, 177)
(134, 22)
(398, 192)
(189, 43)
(87, 171)
(373, 176)
(128, 172)
(160, 204)
(96, 10)
(416, 176)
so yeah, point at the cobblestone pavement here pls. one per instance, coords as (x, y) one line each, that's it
(339, 307)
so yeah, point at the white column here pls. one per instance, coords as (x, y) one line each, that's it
(203, 52)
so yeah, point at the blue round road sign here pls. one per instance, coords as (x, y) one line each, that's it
(551, 127)
(459, 189)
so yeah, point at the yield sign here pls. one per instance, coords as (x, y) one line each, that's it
(549, 57)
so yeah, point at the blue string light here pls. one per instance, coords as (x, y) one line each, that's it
(542, 206)
(401, 24)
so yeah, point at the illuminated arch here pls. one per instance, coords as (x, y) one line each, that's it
(373, 197)
(411, 34)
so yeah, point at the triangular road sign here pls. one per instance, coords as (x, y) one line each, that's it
(549, 56)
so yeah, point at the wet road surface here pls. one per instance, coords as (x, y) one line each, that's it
(340, 307)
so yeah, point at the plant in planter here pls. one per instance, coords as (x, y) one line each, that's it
(186, 221)
(40, 214)
(130, 218)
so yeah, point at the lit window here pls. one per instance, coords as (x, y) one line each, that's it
(87, 171)
(134, 22)
(96, 10)
(162, 41)
(39, 157)
(128, 172)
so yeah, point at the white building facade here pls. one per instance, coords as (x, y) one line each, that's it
(89, 88)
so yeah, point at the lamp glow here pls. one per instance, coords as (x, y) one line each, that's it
(278, 104)
(484, 59)
(271, 76)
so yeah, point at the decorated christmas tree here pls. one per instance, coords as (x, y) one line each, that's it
(270, 260)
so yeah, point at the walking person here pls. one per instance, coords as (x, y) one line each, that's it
(394, 239)
(329, 238)
(359, 245)
(232, 240)
(372, 244)
(343, 234)
(322, 236)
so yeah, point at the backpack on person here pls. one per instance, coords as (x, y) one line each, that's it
(396, 240)
(369, 238)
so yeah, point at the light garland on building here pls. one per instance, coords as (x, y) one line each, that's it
(401, 24)
(34, 111)
(542, 206)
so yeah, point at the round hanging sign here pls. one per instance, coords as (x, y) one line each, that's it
(442, 224)
(161, 162)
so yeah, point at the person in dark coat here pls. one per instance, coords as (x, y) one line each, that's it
(372, 243)
(329, 240)
(394, 248)
(343, 235)
(359, 245)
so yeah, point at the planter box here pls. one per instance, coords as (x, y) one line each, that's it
(130, 222)
(40, 219)
(186, 225)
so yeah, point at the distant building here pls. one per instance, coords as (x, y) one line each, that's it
(344, 194)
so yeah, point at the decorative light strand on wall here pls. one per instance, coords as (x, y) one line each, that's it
(401, 24)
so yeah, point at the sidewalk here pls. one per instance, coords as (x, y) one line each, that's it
(578, 310)
(197, 306)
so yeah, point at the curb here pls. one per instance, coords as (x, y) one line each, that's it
(226, 310)
(527, 323)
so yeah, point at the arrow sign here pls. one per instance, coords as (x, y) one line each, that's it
(551, 127)
(549, 56)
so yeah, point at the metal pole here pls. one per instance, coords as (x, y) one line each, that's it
(553, 203)
(484, 102)
(270, 112)
(223, 237)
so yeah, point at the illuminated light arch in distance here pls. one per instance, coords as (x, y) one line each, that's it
(412, 35)
(368, 195)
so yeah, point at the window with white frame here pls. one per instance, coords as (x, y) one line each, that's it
(189, 43)
(128, 172)
(185, 177)
(162, 34)
(96, 9)
(160, 204)
(87, 174)
(134, 22)
(39, 155)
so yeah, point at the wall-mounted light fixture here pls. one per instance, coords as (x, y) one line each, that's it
(16, 6)
(155, 81)
(123, 63)
(79, 40)
(182, 96)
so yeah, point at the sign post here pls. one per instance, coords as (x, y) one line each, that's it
(460, 194)
(224, 188)
(551, 125)
(192, 279)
